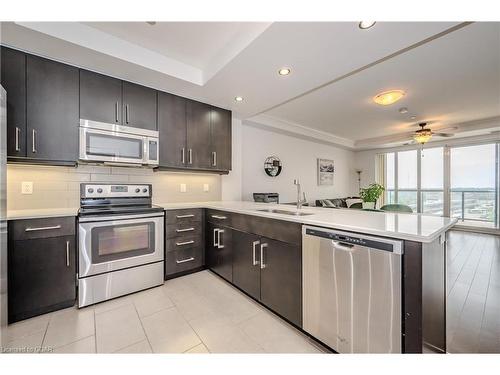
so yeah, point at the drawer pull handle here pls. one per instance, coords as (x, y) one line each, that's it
(219, 217)
(184, 216)
(262, 247)
(67, 253)
(184, 260)
(30, 229)
(184, 243)
(255, 262)
(184, 230)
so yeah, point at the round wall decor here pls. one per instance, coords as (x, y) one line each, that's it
(273, 166)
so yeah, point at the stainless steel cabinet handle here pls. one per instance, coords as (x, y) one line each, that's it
(67, 253)
(216, 244)
(33, 141)
(255, 261)
(262, 263)
(184, 230)
(219, 242)
(219, 217)
(126, 113)
(184, 243)
(30, 229)
(116, 112)
(214, 159)
(190, 156)
(18, 131)
(183, 155)
(184, 260)
(184, 216)
(342, 246)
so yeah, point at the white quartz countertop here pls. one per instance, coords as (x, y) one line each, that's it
(41, 213)
(414, 227)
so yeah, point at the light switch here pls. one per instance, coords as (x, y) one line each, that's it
(27, 187)
(206, 187)
(183, 188)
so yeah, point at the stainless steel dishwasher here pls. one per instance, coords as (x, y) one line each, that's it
(352, 290)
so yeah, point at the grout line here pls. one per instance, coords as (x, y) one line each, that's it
(95, 332)
(143, 330)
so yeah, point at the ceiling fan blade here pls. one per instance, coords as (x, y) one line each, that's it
(444, 135)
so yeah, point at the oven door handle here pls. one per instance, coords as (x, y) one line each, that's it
(99, 218)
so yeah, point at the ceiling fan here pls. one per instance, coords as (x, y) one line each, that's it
(424, 134)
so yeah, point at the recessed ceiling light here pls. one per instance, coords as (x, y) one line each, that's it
(151, 23)
(238, 99)
(403, 110)
(284, 71)
(413, 117)
(366, 24)
(388, 97)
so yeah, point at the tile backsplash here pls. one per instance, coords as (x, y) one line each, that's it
(59, 187)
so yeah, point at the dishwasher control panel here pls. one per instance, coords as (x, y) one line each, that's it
(365, 241)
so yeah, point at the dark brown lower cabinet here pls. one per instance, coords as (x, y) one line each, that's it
(269, 271)
(219, 257)
(41, 276)
(246, 262)
(281, 279)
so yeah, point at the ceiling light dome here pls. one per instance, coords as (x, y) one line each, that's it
(284, 71)
(389, 97)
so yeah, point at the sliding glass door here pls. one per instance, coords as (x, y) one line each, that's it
(473, 185)
(459, 181)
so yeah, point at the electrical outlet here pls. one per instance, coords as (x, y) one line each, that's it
(183, 188)
(206, 187)
(27, 187)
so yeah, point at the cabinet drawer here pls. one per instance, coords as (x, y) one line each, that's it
(183, 230)
(184, 216)
(219, 217)
(183, 243)
(41, 228)
(183, 259)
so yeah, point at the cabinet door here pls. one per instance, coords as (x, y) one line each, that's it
(219, 250)
(13, 80)
(100, 98)
(52, 110)
(172, 128)
(139, 106)
(246, 262)
(220, 135)
(198, 135)
(41, 276)
(281, 279)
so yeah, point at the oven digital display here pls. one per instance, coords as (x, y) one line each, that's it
(119, 189)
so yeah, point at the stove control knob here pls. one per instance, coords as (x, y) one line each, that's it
(144, 190)
(137, 190)
(90, 190)
(99, 190)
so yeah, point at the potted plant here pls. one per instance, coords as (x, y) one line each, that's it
(370, 195)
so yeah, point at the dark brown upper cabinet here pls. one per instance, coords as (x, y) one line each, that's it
(172, 129)
(139, 106)
(220, 136)
(13, 80)
(51, 110)
(100, 98)
(198, 135)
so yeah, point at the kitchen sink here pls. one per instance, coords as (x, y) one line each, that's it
(284, 212)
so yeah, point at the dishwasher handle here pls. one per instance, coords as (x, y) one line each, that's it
(342, 246)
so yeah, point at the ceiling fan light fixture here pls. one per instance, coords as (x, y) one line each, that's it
(423, 135)
(389, 97)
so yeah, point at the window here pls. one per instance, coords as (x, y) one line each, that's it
(432, 181)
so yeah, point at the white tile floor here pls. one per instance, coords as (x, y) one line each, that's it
(198, 313)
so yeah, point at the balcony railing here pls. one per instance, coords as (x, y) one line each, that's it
(474, 204)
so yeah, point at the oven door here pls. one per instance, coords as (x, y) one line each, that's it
(109, 146)
(114, 243)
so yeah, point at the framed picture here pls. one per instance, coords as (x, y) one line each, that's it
(325, 172)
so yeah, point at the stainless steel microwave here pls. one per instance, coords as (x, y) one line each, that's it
(118, 144)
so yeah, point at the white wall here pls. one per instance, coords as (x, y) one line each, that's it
(299, 158)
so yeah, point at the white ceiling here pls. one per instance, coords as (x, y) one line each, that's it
(336, 68)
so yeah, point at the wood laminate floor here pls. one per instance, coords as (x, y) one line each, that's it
(473, 305)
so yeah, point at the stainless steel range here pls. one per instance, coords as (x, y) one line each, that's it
(120, 245)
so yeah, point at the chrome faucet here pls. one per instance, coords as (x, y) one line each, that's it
(300, 201)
